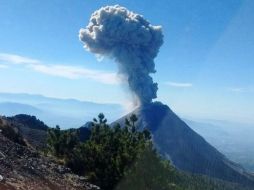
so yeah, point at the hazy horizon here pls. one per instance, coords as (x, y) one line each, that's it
(125, 110)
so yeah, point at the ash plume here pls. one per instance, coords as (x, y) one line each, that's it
(129, 39)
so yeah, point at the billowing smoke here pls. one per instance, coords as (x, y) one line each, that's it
(131, 41)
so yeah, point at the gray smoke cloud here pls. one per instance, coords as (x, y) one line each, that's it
(131, 41)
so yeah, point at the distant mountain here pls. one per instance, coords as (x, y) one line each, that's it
(68, 113)
(233, 139)
(11, 108)
(186, 149)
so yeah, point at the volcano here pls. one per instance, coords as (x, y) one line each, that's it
(133, 43)
(186, 149)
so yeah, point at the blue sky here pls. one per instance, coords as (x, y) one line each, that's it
(204, 68)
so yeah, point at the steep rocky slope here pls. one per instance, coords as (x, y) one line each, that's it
(22, 167)
(33, 130)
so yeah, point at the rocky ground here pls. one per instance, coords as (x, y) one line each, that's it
(23, 168)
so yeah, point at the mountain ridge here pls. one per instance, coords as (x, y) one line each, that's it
(68, 113)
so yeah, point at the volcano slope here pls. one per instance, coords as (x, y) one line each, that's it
(186, 149)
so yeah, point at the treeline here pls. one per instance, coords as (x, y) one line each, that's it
(118, 157)
(123, 158)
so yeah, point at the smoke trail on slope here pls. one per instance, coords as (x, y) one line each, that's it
(131, 41)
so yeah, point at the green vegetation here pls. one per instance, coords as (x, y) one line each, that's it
(123, 158)
(110, 154)
(61, 143)
(149, 171)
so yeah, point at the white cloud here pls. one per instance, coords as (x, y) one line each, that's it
(17, 59)
(72, 72)
(66, 71)
(179, 85)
